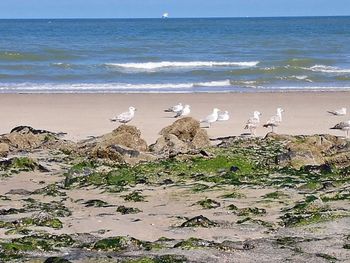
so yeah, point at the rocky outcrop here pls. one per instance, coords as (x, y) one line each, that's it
(314, 150)
(26, 138)
(123, 145)
(183, 136)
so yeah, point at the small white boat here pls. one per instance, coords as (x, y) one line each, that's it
(165, 15)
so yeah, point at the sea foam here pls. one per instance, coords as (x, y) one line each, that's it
(174, 64)
(110, 87)
(327, 69)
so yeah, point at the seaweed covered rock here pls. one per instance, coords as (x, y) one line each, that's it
(199, 221)
(182, 136)
(26, 138)
(315, 150)
(119, 243)
(123, 145)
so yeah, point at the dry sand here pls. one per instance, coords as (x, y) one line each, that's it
(82, 115)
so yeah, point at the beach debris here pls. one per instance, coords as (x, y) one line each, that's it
(253, 123)
(343, 126)
(125, 117)
(338, 112)
(211, 118)
(275, 120)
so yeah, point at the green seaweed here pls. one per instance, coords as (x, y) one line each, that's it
(135, 196)
(208, 203)
(127, 210)
(119, 243)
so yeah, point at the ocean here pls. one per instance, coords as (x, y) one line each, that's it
(174, 55)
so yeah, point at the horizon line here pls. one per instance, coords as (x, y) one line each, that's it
(208, 17)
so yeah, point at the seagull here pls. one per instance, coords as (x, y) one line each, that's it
(274, 121)
(223, 116)
(175, 108)
(211, 118)
(125, 117)
(343, 126)
(253, 122)
(184, 112)
(339, 112)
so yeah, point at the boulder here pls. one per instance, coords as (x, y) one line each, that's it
(124, 135)
(314, 150)
(123, 145)
(183, 136)
(4, 149)
(26, 138)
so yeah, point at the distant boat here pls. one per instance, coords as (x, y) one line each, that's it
(165, 15)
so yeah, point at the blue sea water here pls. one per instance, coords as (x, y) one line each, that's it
(175, 55)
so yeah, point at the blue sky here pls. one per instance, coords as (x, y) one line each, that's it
(176, 8)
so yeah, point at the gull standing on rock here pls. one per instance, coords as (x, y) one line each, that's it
(253, 122)
(343, 126)
(339, 112)
(223, 116)
(274, 121)
(213, 117)
(184, 112)
(125, 117)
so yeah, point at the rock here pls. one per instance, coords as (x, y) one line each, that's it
(314, 150)
(26, 138)
(123, 145)
(182, 136)
(124, 135)
(318, 169)
(199, 221)
(56, 260)
(234, 169)
(4, 149)
(19, 192)
(169, 145)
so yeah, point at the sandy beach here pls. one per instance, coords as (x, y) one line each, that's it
(83, 115)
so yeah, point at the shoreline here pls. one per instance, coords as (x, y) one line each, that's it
(88, 114)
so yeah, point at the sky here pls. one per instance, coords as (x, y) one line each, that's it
(176, 8)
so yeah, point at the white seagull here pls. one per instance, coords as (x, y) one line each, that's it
(184, 112)
(339, 112)
(253, 122)
(343, 126)
(274, 121)
(175, 108)
(125, 117)
(223, 116)
(211, 118)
